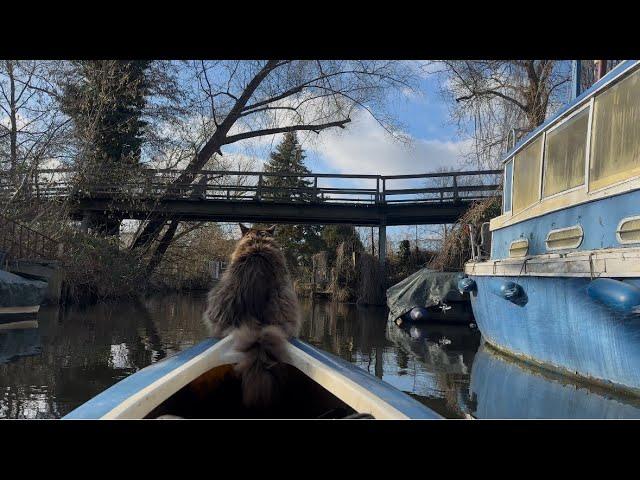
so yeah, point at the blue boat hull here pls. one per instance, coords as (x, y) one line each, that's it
(557, 324)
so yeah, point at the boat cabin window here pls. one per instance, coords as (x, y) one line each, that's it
(526, 175)
(508, 179)
(565, 155)
(615, 135)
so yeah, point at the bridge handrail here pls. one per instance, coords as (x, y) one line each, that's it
(161, 182)
(441, 174)
(301, 175)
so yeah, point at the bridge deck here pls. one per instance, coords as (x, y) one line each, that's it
(273, 212)
(207, 195)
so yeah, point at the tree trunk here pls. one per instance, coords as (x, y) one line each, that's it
(162, 247)
(13, 132)
(154, 226)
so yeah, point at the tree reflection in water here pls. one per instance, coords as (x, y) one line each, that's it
(76, 353)
(85, 350)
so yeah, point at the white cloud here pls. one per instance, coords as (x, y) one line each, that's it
(365, 147)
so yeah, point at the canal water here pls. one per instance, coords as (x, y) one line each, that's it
(74, 354)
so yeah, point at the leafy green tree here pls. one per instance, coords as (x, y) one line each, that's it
(404, 251)
(287, 158)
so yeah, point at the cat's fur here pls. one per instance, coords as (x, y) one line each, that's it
(255, 298)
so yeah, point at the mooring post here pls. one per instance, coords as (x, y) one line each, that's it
(382, 243)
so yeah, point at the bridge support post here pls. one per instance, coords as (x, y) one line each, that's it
(84, 226)
(382, 244)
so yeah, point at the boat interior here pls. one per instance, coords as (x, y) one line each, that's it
(217, 394)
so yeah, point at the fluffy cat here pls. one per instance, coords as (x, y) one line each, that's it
(255, 299)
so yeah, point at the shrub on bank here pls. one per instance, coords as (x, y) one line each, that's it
(456, 248)
(97, 269)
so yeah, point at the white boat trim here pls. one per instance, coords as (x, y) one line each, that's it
(19, 325)
(354, 395)
(136, 396)
(19, 310)
(618, 262)
(144, 401)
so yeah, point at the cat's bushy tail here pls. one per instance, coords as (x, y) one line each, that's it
(260, 349)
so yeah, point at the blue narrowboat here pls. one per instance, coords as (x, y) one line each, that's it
(561, 286)
(200, 383)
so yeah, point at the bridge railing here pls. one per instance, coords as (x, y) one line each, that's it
(18, 241)
(442, 186)
(278, 187)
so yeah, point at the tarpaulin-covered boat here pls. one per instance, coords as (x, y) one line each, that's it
(428, 295)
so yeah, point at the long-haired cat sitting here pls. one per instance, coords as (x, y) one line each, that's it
(255, 299)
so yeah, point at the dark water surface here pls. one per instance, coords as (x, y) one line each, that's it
(74, 354)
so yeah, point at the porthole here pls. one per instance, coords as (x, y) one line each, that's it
(628, 230)
(519, 248)
(564, 238)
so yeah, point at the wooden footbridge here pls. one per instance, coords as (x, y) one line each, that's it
(229, 196)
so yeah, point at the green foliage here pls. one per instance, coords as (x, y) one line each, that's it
(106, 101)
(287, 158)
(404, 251)
(299, 242)
(334, 235)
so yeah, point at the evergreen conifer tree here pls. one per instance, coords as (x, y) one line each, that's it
(106, 99)
(299, 242)
(287, 158)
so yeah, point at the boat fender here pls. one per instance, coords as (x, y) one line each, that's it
(508, 290)
(418, 314)
(616, 295)
(467, 285)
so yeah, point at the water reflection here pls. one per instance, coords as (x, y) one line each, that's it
(74, 354)
(84, 351)
(19, 342)
(507, 388)
(429, 362)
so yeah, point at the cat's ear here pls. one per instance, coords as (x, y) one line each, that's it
(243, 229)
(271, 229)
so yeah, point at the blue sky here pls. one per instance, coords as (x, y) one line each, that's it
(364, 145)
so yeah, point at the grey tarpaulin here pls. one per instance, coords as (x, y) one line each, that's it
(424, 288)
(16, 291)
